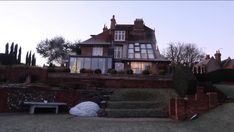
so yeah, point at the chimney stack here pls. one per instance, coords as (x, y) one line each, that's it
(218, 56)
(139, 24)
(113, 22)
(207, 57)
(105, 28)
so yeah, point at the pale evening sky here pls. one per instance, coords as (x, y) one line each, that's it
(208, 24)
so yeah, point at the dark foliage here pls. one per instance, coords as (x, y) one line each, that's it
(111, 71)
(7, 49)
(146, 72)
(184, 81)
(220, 75)
(19, 56)
(129, 71)
(83, 70)
(98, 71)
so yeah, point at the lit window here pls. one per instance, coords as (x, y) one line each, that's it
(119, 35)
(97, 51)
(118, 52)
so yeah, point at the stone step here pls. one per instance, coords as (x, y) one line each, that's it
(137, 113)
(134, 104)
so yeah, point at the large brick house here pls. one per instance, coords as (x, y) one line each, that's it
(121, 47)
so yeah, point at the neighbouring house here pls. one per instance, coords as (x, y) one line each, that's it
(210, 64)
(228, 63)
(121, 47)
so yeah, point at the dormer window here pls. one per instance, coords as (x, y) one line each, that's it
(119, 35)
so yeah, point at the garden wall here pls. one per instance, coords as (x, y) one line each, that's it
(19, 74)
(110, 81)
(11, 99)
(182, 108)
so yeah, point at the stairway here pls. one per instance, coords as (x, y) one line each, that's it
(139, 103)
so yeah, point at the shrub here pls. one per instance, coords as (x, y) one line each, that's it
(111, 71)
(220, 75)
(162, 72)
(184, 81)
(129, 71)
(121, 72)
(3, 78)
(98, 71)
(146, 72)
(83, 70)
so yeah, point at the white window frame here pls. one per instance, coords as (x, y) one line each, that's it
(118, 52)
(97, 51)
(119, 36)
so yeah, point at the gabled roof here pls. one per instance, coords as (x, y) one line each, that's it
(102, 38)
(227, 61)
(205, 62)
(145, 35)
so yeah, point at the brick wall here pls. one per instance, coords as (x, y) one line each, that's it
(82, 81)
(11, 99)
(182, 108)
(16, 74)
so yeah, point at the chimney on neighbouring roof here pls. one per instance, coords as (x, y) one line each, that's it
(113, 22)
(139, 24)
(218, 56)
(105, 28)
(207, 57)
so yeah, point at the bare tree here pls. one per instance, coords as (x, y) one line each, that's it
(183, 53)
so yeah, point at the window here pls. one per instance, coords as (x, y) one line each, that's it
(138, 67)
(149, 46)
(137, 49)
(97, 51)
(137, 55)
(77, 63)
(119, 35)
(118, 52)
(140, 51)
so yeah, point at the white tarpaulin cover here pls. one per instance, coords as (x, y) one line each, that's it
(87, 108)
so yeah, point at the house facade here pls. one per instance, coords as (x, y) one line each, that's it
(121, 47)
(210, 64)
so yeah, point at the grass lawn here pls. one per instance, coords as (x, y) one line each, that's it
(217, 120)
(226, 89)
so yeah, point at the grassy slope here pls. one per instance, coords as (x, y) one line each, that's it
(226, 89)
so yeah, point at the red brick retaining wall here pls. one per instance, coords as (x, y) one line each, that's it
(11, 99)
(79, 81)
(16, 74)
(182, 108)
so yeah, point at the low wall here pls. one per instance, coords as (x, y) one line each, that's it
(19, 74)
(182, 108)
(104, 81)
(11, 99)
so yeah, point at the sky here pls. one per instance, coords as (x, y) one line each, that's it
(209, 24)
